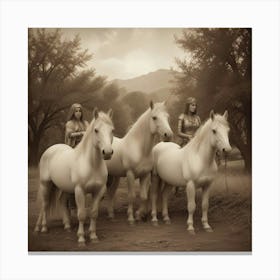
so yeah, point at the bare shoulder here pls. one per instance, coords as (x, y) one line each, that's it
(69, 125)
(181, 117)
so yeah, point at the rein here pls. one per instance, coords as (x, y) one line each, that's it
(226, 181)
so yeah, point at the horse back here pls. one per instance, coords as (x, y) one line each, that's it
(54, 161)
(167, 159)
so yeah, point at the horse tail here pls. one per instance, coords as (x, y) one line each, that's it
(50, 195)
(54, 201)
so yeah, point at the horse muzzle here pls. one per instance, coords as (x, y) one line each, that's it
(226, 150)
(167, 136)
(107, 154)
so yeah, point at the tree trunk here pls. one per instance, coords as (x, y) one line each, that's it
(248, 160)
(245, 149)
(246, 153)
(33, 151)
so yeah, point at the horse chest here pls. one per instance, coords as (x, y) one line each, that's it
(91, 178)
(137, 162)
(204, 177)
(144, 166)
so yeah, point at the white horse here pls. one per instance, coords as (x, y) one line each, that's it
(192, 166)
(133, 156)
(81, 170)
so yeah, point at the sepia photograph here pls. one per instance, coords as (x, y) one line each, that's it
(140, 140)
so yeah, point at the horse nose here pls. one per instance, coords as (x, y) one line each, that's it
(107, 154)
(226, 150)
(167, 136)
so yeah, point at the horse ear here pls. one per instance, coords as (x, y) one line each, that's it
(95, 113)
(212, 115)
(110, 113)
(225, 114)
(152, 104)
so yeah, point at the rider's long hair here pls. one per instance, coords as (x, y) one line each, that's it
(190, 100)
(71, 114)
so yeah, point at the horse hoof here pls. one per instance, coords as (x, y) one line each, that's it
(155, 223)
(167, 222)
(82, 244)
(137, 219)
(68, 229)
(131, 223)
(44, 229)
(208, 229)
(81, 240)
(94, 240)
(111, 217)
(191, 232)
(36, 229)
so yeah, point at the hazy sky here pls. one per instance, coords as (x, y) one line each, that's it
(125, 53)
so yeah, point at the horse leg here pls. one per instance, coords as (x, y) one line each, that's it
(165, 194)
(80, 201)
(45, 189)
(144, 189)
(111, 191)
(190, 190)
(154, 195)
(65, 211)
(39, 221)
(131, 194)
(94, 213)
(204, 206)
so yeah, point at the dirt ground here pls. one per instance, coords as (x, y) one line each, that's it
(229, 216)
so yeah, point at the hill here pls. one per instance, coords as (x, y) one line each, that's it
(152, 82)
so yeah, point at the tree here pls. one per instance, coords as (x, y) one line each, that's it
(56, 79)
(218, 69)
(108, 98)
(138, 103)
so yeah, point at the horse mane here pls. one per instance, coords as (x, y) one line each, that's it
(140, 122)
(200, 134)
(104, 117)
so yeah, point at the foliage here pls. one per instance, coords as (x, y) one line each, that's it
(56, 79)
(217, 71)
(138, 103)
(108, 98)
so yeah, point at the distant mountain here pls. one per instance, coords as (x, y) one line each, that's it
(152, 82)
(160, 94)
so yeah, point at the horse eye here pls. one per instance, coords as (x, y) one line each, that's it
(96, 130)
(154, 118)
(214, 131)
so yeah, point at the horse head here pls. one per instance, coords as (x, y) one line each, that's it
(159, 123)
(219, 131)
(102, 130)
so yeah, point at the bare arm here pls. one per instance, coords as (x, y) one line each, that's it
(69, 133)
(75, 134)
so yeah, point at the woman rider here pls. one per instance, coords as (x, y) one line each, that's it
(75, 126)
(188, 122)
